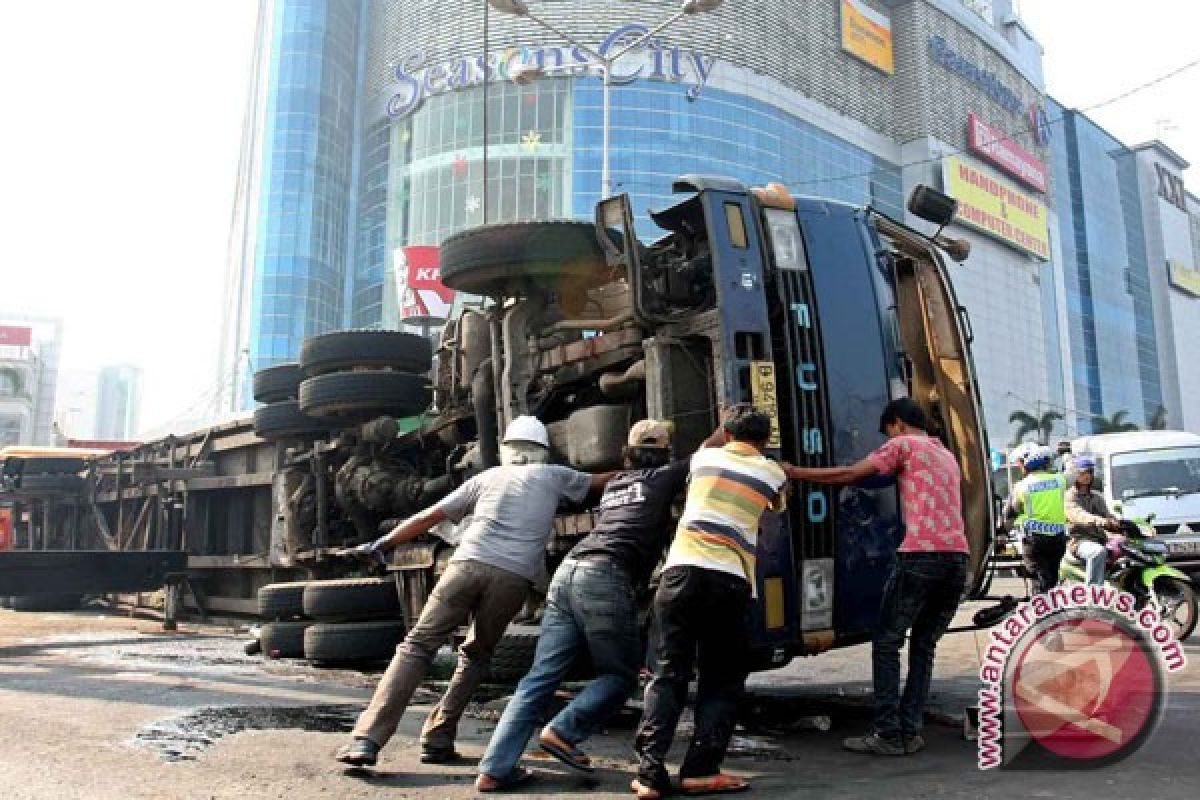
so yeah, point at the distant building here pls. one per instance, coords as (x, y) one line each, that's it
(118, 402)
(29, 350)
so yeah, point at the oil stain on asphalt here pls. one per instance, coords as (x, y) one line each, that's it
(185, 737)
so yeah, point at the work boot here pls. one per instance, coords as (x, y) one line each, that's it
(914, 744)
(875, 745)
(359, 753)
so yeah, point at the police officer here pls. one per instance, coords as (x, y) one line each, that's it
(1037, 504)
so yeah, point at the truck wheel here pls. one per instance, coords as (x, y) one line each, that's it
(283, 639)
(344, 350)
(329, 642)
(51, 483)
(285, 421)
(45, 602)
(277, 384)
(513, 656)
(282, 600)
(352, 599)
(521, 257)
(363, 395)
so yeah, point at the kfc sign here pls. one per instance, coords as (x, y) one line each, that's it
(14, 336)
(419, 280)
(1003, 152)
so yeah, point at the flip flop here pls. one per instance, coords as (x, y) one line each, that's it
(645, 792)
(518, 777)
(712, 784)
(568, 754)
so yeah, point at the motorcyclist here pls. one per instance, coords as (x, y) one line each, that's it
(1088, 519)
(1037, 505)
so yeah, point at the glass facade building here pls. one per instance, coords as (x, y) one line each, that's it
(381, 125)
(1110, 333)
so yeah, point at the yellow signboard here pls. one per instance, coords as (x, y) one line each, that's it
(1183, 277)
(997, 207)
(765, 394)
(867, 35)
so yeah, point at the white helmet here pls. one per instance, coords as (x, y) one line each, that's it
(527, 429)
(1020, 452)
(1038, 457)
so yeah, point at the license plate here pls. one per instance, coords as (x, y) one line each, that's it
(1183, 548)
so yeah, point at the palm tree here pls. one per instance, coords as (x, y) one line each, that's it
(1027, 423)
(1117, 423)
(1158, 422)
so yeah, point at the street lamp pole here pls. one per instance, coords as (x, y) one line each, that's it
(606, 104)
(603, 64)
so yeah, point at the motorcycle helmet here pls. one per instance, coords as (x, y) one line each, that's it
(1038, 458)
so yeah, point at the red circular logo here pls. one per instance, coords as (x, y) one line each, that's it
(1087, 688)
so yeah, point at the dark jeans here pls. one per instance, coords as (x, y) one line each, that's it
(921, 596)
(590, 605)
(1043, 554)
(702, 622)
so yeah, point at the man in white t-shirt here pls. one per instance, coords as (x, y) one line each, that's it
(512, 511)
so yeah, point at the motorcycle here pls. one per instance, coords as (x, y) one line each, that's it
(1137, 564)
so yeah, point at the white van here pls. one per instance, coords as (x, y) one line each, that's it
(1152, 472)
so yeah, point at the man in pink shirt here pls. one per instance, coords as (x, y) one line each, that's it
(928, 579)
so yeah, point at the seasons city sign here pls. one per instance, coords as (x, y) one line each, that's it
(417, 79)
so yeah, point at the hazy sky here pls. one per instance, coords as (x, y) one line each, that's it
(121, 131)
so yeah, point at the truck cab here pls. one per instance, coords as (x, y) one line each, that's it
(820, 313)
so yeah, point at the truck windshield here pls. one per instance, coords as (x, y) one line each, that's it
(1172, 470)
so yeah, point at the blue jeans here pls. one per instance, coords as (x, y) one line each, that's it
(921, 595)
(589, 604)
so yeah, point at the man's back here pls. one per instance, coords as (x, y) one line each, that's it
(633, 523)
(730, 488)
(512, 510)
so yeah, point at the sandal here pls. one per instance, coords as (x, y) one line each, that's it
(516, 778)
(565, 752)
(713, 784)
(645, 792)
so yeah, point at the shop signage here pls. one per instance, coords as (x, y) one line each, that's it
(867, 35)
(15, 336)
(1184, 278)
(1170, 188)
(995, 146)
(988, 81)
(417, 78)
(419, 279)
(996, 207)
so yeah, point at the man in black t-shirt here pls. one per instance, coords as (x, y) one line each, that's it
(592, 603)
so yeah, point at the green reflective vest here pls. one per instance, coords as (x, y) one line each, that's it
(1043, 503)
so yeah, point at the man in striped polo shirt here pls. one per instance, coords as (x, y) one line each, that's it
(702, 606)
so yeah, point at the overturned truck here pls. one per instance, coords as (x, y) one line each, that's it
(815, 311)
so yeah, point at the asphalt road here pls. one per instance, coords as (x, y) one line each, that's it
(99, 706)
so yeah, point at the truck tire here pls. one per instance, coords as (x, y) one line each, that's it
(285, 421)
(363, 395)
(332, 642)
(278, 601)
(49, 601)
(283, 639)
(345, 350)
(516, 258)
(39, 482)
(277, 384)
(352, 599)
(513, 656)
